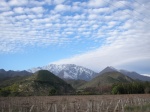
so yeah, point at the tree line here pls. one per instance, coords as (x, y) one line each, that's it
(118, 88)
(131, 88)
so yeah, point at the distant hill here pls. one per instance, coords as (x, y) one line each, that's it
(40, 83)
(8, 74)
(133, 75)
(107, 79)
(7, 77)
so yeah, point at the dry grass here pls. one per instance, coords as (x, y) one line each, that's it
(92, 103)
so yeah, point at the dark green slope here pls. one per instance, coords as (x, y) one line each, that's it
(11, 80)
(75, 83)
(41, 83)
(107, 79)
(46, 76)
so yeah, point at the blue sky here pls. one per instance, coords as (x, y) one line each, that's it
(89, 33)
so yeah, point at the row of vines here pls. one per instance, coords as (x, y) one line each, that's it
(101, 103)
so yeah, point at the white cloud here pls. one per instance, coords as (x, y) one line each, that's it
(4, 6)
(121, 4)
(95, 26)
(93, 16)
(77, 17)
(18, 2)
(61, 8)
(97, 3)
(111, 24)
(146, 75)
(3, 3)
(37, 3)
(58, 1)
(49, 2)
(37, 9)
(31, 16)
(7, 13)
(32, 12)
(76, 8)
(19, 10)
(99, 10)
(21, 17)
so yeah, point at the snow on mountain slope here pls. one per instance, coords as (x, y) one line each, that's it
(70, 71)
(148, 75)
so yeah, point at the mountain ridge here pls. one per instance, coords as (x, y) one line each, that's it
(70, 71)
(4, 75)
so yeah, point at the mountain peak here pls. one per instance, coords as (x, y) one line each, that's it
(2, 70)
(108, 69)
(43, 75)
(111, 67)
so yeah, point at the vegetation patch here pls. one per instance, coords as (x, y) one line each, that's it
(131, 88)
(139, 108)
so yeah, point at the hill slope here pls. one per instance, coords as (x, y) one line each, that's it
(75, 83)
(42, 82)
(107, 79)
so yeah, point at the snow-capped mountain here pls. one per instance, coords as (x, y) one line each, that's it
(68, 71)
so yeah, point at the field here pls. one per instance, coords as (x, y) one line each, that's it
(92, 103)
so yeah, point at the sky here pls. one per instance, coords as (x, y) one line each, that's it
(89, 33)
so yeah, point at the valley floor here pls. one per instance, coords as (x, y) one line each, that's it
(91, 103)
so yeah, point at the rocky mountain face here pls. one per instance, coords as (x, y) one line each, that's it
(68, 71)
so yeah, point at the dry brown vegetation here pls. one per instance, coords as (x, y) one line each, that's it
(92, 103)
